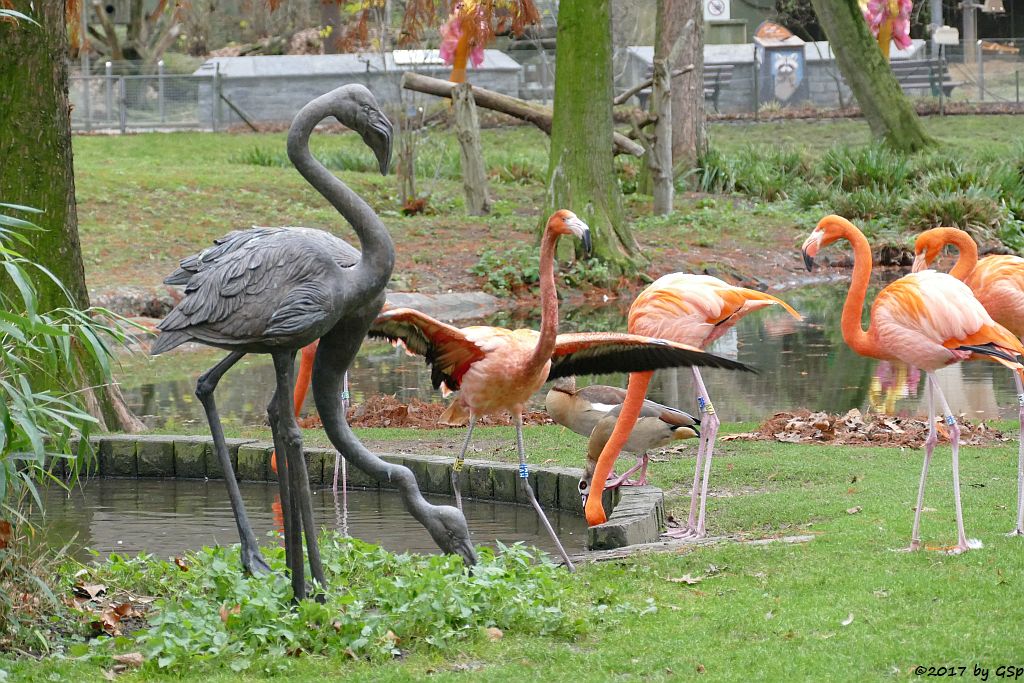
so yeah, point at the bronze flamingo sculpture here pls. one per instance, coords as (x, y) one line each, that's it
(276, 290)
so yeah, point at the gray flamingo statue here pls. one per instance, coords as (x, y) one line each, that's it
(276, 290)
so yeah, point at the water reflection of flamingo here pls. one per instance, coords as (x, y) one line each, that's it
(998, 283)
(694, 310)
(891, 382)
(928, 320)
(497, 369)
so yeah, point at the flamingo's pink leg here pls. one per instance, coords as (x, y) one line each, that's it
(929, 446)
(709, 429)
(962, 543)
(1019, 529)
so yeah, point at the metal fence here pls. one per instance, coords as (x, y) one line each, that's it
(989, 72)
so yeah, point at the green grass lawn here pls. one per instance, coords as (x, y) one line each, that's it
(147, 200)
(772, 612)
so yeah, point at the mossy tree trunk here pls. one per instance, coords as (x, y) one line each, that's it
(581, 176)
(36, 170)
(885, 107)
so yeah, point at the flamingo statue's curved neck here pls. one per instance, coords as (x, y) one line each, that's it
(378, 258)
(967, 251)
(548, 302)
(855, 336)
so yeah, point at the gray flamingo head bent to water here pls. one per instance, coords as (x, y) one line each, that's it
(276, 290)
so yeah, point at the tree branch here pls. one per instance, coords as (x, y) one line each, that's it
(513, 106)
(621, 99)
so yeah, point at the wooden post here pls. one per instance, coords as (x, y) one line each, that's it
(467, 130)
(659, 158)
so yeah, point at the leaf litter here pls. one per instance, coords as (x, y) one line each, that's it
(858, 429)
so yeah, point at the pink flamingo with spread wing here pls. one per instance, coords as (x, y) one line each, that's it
(694, 310)
(496, 369)
(928, 320)
(998, 283)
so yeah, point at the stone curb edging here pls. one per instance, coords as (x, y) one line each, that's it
(638, 512)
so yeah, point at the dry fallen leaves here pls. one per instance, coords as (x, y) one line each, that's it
(6, 533)
(90, 591)
(855, 428)
(182, 564)
(854, 510)
(494, 633)
(130, 659)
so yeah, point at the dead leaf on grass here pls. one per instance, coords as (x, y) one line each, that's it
(687, 579)
(182, 564)
(848, 620)
(494, 633)
(130, 659)
(90, 590)
(854, 510)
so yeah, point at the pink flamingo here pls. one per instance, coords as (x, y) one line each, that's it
(998, 283)
(694, 310)
(496, 369)
(928, 320)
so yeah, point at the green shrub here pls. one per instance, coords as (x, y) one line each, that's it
(378, 604)
(510, 271)
(870, 167)
(975, 210)
(715, 173)
(41, 412)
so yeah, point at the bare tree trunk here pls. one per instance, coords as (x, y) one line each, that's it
(467, 130)
(680, 40)
(330, 18)
(36, 166)
(887, 110)
(581, 175)
(659, 156)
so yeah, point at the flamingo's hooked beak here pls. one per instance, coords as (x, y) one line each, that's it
(581, 231)
(810, 248)
(378, 136)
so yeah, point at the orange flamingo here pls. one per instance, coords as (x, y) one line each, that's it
(928, 320)
(694, 310)
(998, 283)
(496, 369)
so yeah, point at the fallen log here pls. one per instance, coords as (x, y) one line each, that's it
(536, 114)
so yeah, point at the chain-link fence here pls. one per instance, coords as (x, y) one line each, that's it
(738, 80)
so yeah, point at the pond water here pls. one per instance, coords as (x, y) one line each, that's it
(167, 517)
(800, 365)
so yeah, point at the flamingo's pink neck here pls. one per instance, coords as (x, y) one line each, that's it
(854, 335)
(549, 304)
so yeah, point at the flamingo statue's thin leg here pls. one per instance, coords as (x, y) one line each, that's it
(524, 482)
(1019, 530)
(291, 437)
(962, 543)
(929, 447)
(289, 513)
(457, 465)
(252, 560)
